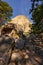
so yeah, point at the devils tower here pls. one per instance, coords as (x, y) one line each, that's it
(22, 23)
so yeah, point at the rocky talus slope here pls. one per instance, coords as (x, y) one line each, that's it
(18, 49)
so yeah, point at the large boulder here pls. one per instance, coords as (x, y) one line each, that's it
(20, 43)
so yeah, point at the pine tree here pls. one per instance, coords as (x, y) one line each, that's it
(5, 11)
(37, 16)
(34, 4)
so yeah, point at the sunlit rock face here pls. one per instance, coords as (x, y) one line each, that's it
(22, 23)
(18, 24)
(25, 52)
(10, 31)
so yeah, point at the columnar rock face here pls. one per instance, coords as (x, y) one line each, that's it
(22, 23)
(24, 51)
(19, 24)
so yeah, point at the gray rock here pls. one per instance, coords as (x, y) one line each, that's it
(12, 63)
(5, 58)
(3, 47)
(20, 43)
(8, 40)
(5, 42)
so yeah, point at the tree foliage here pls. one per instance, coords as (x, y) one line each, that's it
(37, 16)
(5, 11)
(34, 4)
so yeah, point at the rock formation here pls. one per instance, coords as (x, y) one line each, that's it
(22, 23)
(24, 50)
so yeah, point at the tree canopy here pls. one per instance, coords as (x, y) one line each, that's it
(34, 4)
(37, 16)
(5, 11)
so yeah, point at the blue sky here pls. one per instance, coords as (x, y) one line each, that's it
(20, 7)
